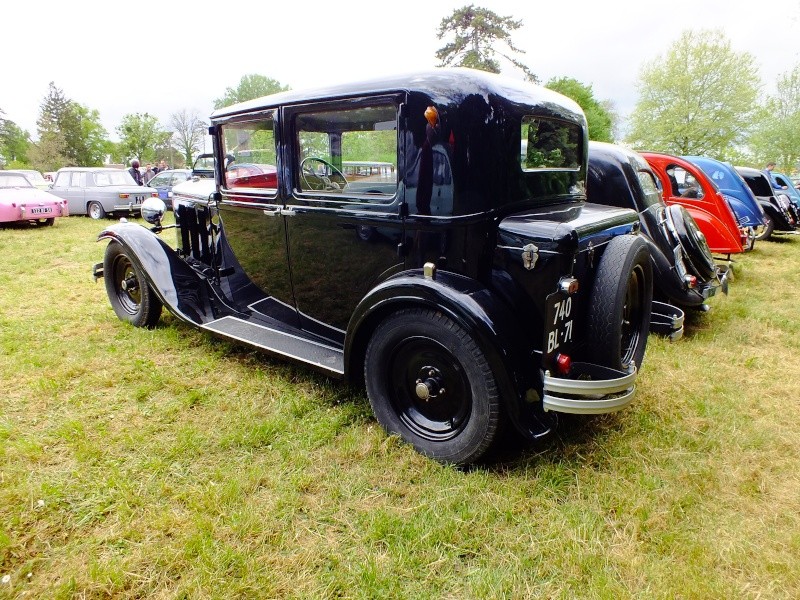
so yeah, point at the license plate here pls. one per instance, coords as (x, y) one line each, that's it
(139, 199)
(41, 211)
(559, 315)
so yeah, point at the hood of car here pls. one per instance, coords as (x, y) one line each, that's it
(194, 189)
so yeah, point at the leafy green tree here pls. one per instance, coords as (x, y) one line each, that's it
(599, 119)
(476, 35)
(75, 130)
(49, 153)
(699, 98)
(249, 88)
(776, 135)
(188, 133)
(91, 146)
(52, 111)
(14, 142)
(140, 135)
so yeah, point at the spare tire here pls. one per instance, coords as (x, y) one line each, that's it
(696, 253)
(620, 304)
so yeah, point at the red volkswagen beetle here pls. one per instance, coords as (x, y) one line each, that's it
(685, 184)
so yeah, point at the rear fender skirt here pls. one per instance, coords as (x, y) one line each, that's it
(480, 312)
(179, 287)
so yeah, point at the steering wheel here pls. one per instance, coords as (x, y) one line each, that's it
(314, 181)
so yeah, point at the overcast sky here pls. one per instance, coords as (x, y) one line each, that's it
(161, 57)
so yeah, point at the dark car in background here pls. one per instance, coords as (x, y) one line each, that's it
(166, 180)
(685, 272)
(779, 212)
(504, 297)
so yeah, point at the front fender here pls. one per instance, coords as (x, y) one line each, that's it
(180, 288)
(478, 311)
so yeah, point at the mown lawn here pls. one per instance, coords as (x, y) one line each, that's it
(169, 464)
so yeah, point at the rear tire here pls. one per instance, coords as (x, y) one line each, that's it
(95, 210)
(621, 303)
(429, 382)
(131, 297)
(769, 227)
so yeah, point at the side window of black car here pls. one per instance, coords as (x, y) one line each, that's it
(347, 152)
(252, 163)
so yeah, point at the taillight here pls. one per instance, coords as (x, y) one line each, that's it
(124, 195)
(691, 281)
(563, 364)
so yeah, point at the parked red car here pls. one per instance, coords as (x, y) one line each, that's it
(685, 184)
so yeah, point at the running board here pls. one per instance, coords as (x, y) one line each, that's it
(326, 358)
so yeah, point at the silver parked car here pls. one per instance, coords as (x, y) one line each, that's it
(99, 192)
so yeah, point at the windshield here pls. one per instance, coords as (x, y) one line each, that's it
(106, 178)
(11, 180)
(34, 176)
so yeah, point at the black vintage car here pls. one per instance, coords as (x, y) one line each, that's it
(427, 237)
(780, 213)
(685, 272)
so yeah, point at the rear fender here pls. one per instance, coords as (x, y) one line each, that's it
(478, 311)
(777, 216)
(180, 288)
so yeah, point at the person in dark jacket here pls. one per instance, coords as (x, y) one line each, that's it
(135, 173)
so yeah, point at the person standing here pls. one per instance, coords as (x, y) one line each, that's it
(148, 174)
(768, 172)
(135, 173)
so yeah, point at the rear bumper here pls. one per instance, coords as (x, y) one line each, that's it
(589, 390)
(666, 319)
(131, 207)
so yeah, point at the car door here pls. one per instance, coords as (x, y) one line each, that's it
(71, 185)
(343, 211)
(250, 214)
(161, 182)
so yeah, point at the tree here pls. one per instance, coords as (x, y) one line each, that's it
(477, 33)
(598, 117)
(249, 88)
(14, 142)
(698, 99)
(91, 146)
(188, 133)
(48, 154)
(776, 135)
(140, 135)
(71, 130)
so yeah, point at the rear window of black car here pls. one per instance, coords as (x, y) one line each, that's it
(550, 144)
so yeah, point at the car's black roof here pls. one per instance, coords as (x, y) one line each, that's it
(442, 86)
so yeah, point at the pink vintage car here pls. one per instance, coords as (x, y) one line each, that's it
(21, 201)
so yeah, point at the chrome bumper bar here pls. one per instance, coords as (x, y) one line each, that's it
(590, 389)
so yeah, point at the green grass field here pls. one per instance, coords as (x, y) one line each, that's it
(169, 464)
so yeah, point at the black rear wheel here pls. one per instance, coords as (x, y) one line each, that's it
(130, 295)
(620, 305)
(429, 382)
